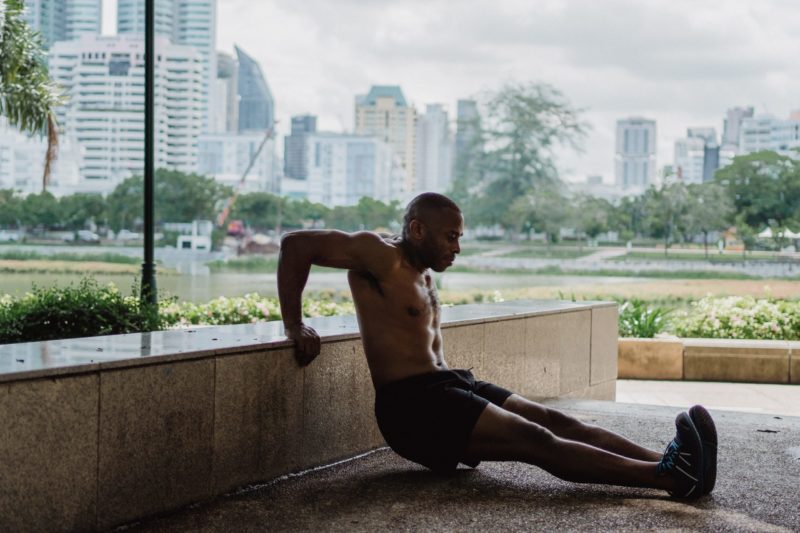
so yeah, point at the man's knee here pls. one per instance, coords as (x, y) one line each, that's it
(535, 435)
(563, 424)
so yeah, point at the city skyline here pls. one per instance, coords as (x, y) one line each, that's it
(674, 62)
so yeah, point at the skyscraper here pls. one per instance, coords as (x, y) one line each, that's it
(187, 22)
(256, 106)
(635, 154)
(434, 150)
(384, 113)
(60, 20)
(697, 155)
(733, 124)
(103, 78)
(225, 100)
(295, 164)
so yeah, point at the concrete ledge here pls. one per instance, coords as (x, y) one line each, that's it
(710, 360)
(105, 430)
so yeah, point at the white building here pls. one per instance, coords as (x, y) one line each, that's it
(103, 78)
(697, 155)
(342, 168)
(186, 22)
(384, 113)
(635, 154)
(226, 156)
(434, 152)
(770, 133)
(63, 20)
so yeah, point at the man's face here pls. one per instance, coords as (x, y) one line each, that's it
(440, 245)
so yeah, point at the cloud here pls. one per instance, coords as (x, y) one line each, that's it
(682, 62)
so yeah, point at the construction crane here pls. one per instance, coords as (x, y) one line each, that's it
(223, 215)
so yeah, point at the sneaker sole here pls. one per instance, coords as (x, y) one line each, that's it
(689, 435)
(708, 436)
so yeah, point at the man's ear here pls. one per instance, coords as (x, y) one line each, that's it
(416, 229)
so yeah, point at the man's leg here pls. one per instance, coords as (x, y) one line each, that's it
(567, 427)
(500, 435)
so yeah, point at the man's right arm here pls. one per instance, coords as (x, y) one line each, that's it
(363, 251)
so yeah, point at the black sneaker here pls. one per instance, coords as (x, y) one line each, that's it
(683, 459)
(708, 436)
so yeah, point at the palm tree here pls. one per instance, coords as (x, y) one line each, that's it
(28, 96)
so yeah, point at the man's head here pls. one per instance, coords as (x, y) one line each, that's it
(432, 225)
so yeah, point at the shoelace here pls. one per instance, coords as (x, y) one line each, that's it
(671, 454)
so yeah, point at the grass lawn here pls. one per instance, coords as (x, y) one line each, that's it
(713, 257)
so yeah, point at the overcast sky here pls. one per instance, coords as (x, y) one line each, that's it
(680, 62)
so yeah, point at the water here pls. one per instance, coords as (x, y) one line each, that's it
(201, 288)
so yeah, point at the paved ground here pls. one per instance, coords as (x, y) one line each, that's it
(745, 397)
(757, 489)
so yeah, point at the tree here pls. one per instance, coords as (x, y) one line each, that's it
(179, 197)
(521, 126)
(764, 187)
(10, 208)
(545, 209)
(40, 210)
(665, 212)
(260, 210)
(77, 209)
(710, 209)
(28, 96)
(375, 214)
(590, 216)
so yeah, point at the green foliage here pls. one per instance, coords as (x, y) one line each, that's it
(107, 257)
(764, 187)
(10, 208)
(28, 96)
(179, 197)
(638, 319)
(740, 317)
(40, 210)
(74, 311)
(76, 210)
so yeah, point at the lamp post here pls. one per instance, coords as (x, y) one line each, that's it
(149, 293)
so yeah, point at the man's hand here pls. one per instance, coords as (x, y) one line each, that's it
(306, 343)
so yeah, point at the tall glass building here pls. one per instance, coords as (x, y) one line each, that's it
(64, 20)
(256, 105)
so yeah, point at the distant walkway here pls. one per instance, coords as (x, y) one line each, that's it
(743, 397)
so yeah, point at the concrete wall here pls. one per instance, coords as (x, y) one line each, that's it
(102, 431)
(710, 360)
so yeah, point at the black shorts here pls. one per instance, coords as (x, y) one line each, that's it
(429, 418)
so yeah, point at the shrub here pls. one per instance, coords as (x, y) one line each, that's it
(740, 317)
(637, 319)
(74, 311)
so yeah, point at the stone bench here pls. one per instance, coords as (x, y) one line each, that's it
(102, 431)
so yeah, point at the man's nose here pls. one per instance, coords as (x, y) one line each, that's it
(457, 249)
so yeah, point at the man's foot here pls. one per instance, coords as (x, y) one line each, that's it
(683, 460)
(708, 436)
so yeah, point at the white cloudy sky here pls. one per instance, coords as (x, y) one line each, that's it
(681, 62)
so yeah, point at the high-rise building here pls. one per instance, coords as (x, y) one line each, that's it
(226, 156)
(384, 113)
(343, 168)
(697, 155)
(467, 125)
(256, 106)
(103, 78)
(225, 100)
(635, 155)
(295, 162)
(733, 123)
(185, 22)
(770, 133)
(434, 162)
(61, 20)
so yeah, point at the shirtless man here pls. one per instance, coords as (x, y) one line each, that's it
(440, 417)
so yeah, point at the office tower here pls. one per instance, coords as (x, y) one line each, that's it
(294, 147)
(184, 22)
(225, 100)
(226, 156)
(256, 106)
(635, 154)
(770, 133)
(60, 20)
(434, 150)
(467, 125)
(384, 113)
(697, 155)
(733, 123)
(103, 78)
(342, 168)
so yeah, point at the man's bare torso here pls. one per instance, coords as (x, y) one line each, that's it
(399, 318)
